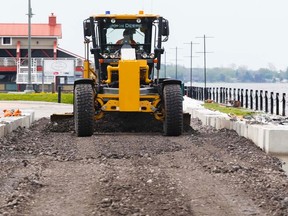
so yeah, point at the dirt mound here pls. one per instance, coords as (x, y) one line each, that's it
(207, 172)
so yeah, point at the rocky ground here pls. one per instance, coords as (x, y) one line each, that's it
(132, 169)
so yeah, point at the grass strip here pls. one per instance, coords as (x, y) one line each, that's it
(66, 98)
(228, 110)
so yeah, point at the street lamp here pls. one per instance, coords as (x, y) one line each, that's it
(29, 86)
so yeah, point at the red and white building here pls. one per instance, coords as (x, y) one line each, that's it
(44, 48)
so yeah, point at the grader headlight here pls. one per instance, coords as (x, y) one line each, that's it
(112, 55)
(152, 55)
(144, 55)
(105, 55)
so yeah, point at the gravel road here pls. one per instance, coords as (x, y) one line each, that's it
(132, 169)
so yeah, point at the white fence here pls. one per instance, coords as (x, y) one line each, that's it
(46, 76)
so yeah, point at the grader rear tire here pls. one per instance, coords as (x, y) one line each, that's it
(84, 110)
(173, 109)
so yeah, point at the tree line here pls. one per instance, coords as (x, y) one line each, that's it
(225, 74)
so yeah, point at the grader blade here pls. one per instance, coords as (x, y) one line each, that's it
(59, 117)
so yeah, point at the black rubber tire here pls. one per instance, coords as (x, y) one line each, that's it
(84, 110)
(173, 109)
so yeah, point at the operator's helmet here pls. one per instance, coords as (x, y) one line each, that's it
(128, 32)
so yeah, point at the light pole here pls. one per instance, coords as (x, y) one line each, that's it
(29, 86)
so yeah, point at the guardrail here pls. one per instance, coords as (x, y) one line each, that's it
(13, 87)
(258, 100)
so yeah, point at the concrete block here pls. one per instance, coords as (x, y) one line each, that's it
(253, 133)
(31, 115)
(261, 137)
(8, 124)
(233, 125)
(195, 112)
(200, 116)
(222, 122)
(26, 121)
(241, 128)
(236, 126)
(276, 139)
(245, 130)
(213, 120)
(2, 130)
(8, 127)
(207, 117)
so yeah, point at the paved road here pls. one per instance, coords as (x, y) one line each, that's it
(41, 109)
(45, 109)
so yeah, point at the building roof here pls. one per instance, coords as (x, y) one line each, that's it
(37, 30)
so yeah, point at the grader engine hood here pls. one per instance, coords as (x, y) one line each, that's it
(129, 85)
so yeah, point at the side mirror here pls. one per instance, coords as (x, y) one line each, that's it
(165, 28)
(87, 28)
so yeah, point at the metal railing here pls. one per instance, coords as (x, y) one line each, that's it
(7, 62)
(11, 61)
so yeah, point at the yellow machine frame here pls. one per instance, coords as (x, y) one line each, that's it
(128, 98)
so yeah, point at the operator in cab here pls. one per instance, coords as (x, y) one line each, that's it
(127, 36)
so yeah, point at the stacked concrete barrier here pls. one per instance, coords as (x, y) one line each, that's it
(8, 124)
(271, 138)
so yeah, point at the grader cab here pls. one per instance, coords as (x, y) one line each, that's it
(125, 76)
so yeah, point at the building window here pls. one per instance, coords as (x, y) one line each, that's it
(6, 41)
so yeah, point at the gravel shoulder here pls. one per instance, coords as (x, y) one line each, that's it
(47, 170)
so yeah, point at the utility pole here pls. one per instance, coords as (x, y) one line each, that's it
(191, 56)
(29, 86)
(176, 70)
(176, 60)
(205, 52)
(165, 64)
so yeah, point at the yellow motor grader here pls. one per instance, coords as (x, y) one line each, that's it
(125, 76)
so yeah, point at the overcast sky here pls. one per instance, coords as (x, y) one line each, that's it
(240, 33)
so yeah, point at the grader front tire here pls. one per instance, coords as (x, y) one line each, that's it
(173, 109)
(84, 110)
